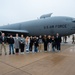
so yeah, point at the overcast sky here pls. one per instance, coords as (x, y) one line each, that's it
(14, 11)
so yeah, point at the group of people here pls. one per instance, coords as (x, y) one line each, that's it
(30, 44)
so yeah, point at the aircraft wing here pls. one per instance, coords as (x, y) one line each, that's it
(13, 31)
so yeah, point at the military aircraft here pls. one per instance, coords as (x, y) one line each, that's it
(45, 25)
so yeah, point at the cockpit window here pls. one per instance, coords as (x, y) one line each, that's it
(73, 20)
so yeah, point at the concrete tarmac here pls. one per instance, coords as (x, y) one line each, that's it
(41, 63)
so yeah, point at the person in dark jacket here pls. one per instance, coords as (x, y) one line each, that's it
(73, 39)
(35, 44)
(11, 43)
(22, 44)
(45, 43)
(3, 41)
(58, 42)
(31, 43)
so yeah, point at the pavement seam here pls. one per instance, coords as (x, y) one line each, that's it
(40, 59)
(27, 64)
(13, 67)
(22, 66)
(34, 61)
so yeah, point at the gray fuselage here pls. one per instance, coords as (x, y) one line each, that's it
(45, 26)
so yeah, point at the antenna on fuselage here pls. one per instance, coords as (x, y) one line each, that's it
(46, 16)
